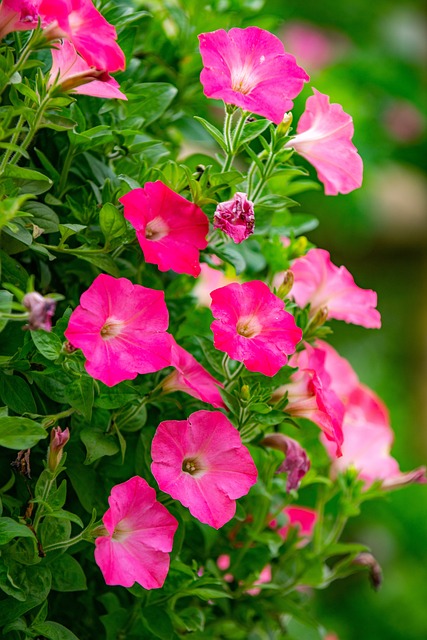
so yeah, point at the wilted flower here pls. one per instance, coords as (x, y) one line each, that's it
(235, 217)
(249, 68)
(253, 327)
(375, 571)
(324, 285)
(121, 329)
(323, 138)
(170, 229)
(40, 309)
(140, 537)
(296, 463)
(202, 463)
(58, 440)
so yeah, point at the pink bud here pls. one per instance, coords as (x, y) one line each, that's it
(40, 310)
(58, 440)
(296, 463)
(236, 217)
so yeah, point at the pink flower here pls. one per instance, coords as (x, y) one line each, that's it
(82, 24)
(310, 394)
(170, 229)
(202, 463)
(324, 285)
(368, 438)
(324, 139)
(209, 280)
(140, 537)
(249, 68)
(73, 73)
(253, 327)
(263, 578)
(235, 217)
(296, 463)
(342, 377)
(223, 562)
(302, 518)
(18, 15)
(314, 47)
(190, 377)
(121, 329)
(40, 309)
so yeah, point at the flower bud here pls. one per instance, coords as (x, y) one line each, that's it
(375, 572)
(296, 463)
(283, 127)
(245, 392)
(58, 440)
(40, 310)
(235, 217)
(287, 284)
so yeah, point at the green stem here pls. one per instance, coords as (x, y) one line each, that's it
(40, 508)
(14, 316)
(25, 53)
(34, 126)
(228, 125)
(9, 152)
(65, 543)
(264, 177)
(65, 170)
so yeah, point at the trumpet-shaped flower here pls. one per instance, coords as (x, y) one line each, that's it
(73, 73)
(140, 536)
(325, 286)
(190, 377)
(202, 463)
(170, 229)
(249, 68)
(324, 134)
(121, 329)
(253, 327)
(236, 217)
(81, 23)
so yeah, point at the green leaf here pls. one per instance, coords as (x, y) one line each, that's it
(10, 529)
(53, 382)
(231, 255)
(152, 99)
(103, 261)
(5, 306)
(53, 631)
(67, 574)
(98, 444)
(62, 514)
(68, 230)
(43, 216)
(12, 272)
(112, 222)
(213, 131)
(10, 207)
(26, 180)
(47, 343)
(38, 584)
(20, 433)
(192, 618)
(80, 394)
(16, 393)
(158, 623)
(253, 130)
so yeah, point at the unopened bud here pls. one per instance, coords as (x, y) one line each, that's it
(375, 572)
(319, 318)
(40, 310)
(283, 127)
(287, 284)
(245, 392)
(68, 347)
(58, 440)
(235, 217)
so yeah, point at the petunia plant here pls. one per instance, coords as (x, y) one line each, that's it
(181, 447)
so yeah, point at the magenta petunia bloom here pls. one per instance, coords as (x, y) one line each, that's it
(170, 229)
(253, 327)
(324, 285)
(190, 377)
(301, 518)
(235, 217)
(18, 15)
(324, 134)
(368, 438)
(73, 73)
(121, 329)
(202, 463)
(81, 23)
(140, 537)
(249, 68)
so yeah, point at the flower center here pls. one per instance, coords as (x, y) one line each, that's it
(242, 80)
(111, 329)
(248, 327)
(156, 229)
(192, 466)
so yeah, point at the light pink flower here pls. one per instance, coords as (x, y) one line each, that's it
(302, 518)
(93, 37)
(190, 377)
(202, 463)
(41, 310)
(341, 376)
(314, 47)
(121, 329)
(209, 280)
(73, 73)
(18, 15)
(170, 229)
(296, 463)
(249, 68)
(253, 327)
(324, 285)
(323, 138)
(223, 562)
(310, 394)
(263, 578)
(235, 217)
(140, 537)
(368, 438)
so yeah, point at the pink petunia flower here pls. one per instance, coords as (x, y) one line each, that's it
(73, 73)
(325, 286)
(310, 394)
(209, 280)
(341, 376)
(121, 329)
(140, 537)
(202, 463)
(81, 23)
(249, 68)
(18, 15)
(323, 138)
(190, 377)
(302, 518)
(170, 229)
(296, 463)
(235, 217)
(368, 438)
(253, 327)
